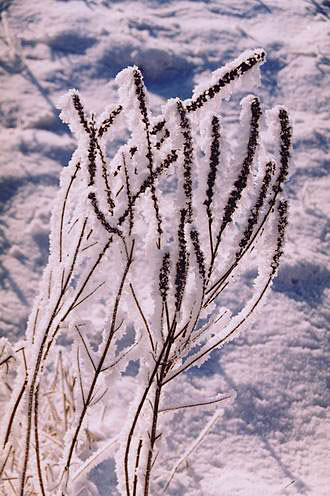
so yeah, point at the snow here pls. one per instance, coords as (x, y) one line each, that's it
(277, 429)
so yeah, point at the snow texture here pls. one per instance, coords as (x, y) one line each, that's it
(274, 437)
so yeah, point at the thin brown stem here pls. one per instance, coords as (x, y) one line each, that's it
(38, 367)
(153, 434)
(5, 462)
(143, 317)
(193, 405)
(17, 402)
(222, 340)
(63, 210)
(136, 467)
(99, 368)
(36, 438)
(138, 411)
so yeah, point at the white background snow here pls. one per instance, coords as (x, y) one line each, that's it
(274, 438)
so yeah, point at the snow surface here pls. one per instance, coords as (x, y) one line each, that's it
(274, 437)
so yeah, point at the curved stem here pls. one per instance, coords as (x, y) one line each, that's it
(99, 367)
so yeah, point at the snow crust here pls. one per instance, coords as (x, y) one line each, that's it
(277, 429)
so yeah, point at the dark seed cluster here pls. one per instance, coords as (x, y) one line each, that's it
(164, 276)
(80, 110)
(91, 131)
(92, 152)
(241, 182)
(164, 137)
(187, 157)
(107, 123)
(171, 157)
(158, 128)
(285, 148)
(132, 151)
(116, 172)
(183, 261)
(129, 197)
(140, 94)
(198, 253)
(93, 149)
(94, 146)
(230, 76)
(253, 218)
(110, 201)
(282, 224)
(214, 164)
(101, 217)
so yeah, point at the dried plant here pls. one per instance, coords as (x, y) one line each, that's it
(143, 247)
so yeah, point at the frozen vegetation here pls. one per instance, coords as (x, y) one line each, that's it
(166, 232)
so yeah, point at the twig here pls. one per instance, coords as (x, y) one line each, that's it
(203, 403)
(193, 446)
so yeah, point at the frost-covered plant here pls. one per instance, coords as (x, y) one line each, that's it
(145, 239)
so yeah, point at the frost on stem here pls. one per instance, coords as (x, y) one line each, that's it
(143, 246)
